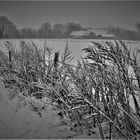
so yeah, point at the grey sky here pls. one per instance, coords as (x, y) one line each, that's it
(88, 13)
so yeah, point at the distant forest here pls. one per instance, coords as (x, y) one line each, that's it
(8, 30)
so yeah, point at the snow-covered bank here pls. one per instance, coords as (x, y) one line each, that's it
(25, 123)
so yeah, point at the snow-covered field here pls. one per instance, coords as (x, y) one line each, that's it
(25, 123)
(75, 45)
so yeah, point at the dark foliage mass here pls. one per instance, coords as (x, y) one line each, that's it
(8, 30)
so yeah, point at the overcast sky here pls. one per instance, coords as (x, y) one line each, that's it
(88, 13)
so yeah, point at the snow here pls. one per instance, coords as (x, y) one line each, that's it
(24, 122)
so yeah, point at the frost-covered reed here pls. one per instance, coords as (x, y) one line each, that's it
(96, 93)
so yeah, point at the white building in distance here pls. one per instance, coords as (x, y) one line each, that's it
(79, 34)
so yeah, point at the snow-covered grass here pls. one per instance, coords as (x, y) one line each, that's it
(96, 97)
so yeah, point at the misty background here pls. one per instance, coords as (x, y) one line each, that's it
(57, 19)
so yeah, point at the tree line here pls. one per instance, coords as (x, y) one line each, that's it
(9, 30)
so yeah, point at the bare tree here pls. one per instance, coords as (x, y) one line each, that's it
(7, 28)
